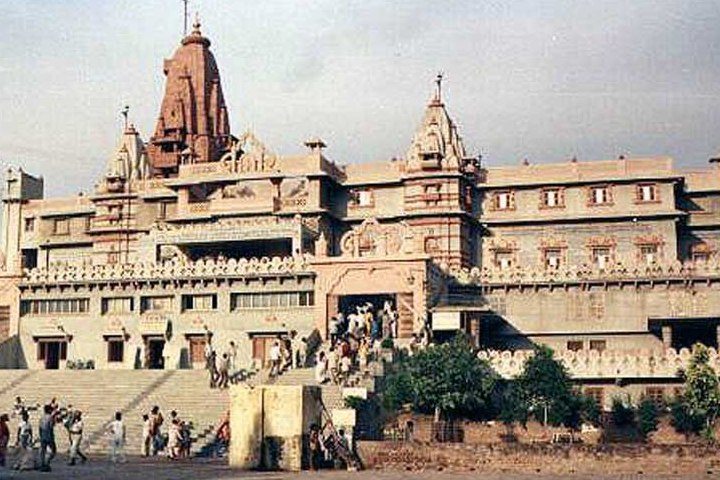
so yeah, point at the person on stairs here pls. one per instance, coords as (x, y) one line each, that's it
(47, 438)
(116, 432)
(76, 433)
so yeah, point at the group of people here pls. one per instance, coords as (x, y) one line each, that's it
(52, 415)
(175, 443)
(287, 352)
(222, 368)
(334, 449)
(354, 339)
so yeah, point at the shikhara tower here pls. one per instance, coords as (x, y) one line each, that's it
(193, 125)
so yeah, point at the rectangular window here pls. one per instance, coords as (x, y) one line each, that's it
(601, 257)
(162, 210)
(648, 253)
(646, 192)
(553, 258)
(61, 226)
(598, 345)
(550, 197)
(503, 259)
(596, 306)
(116, 305)
(30, 224)
(498, 305)
(600, 195)
(240, 301)
(156, 304)
(503, 200)
(199, 302)
(116, 349)
(656, 394)
(54, 306)
(597, 394)
(575, 345)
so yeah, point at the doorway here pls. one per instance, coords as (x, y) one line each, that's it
(348, 303)
(51, 353)
(154, 357)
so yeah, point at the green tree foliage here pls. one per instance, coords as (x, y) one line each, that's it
(699, 405)
(549, 394)
(544, 391)
(647, 416)
(623, 413)
(447, 378)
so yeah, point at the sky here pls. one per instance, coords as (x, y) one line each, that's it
(542, 80)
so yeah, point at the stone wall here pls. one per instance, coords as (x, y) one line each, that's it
(543, 458)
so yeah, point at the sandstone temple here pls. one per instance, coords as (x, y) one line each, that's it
(198, 232)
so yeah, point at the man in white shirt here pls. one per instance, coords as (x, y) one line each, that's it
(116, 431)
(275, 355)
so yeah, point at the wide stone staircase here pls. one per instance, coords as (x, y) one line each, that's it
(100, 393)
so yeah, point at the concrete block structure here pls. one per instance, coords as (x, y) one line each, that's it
(270, 425)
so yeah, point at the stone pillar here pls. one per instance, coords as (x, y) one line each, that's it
(475, 329)
(667, 336)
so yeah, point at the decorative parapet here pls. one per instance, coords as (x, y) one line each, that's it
(593, 364)
(585, 273)
(170, 270)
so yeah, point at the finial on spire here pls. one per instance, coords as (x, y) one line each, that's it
(124, 112)
(196, 24)
(438, 86)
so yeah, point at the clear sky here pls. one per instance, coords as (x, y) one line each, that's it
(546, 80)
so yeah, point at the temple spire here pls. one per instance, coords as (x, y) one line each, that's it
(192, 125)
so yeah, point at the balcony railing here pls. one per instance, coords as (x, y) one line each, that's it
(584, 273)
(210, 268)
(603, 364)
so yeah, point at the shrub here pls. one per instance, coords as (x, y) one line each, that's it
(354, 402)
(647, 416)
(387, 343)
(623, 414)
(684, 419)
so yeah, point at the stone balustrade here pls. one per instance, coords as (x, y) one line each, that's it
(585, 273)
(593, 364)
(172, 269)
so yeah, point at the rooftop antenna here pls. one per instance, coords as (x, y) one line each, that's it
(185, 18)
(124, 112)
(438, 86)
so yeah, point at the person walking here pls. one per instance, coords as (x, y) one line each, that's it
(47, 438)
(156, 421)
(146, 436)
(275, 354)
(232, 357)
(25, 459)
(223, 371)
(116, 431)
(76, 433)
(302, 352)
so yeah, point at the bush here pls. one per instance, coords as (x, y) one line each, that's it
(354, 402)
(684, 419)
(446, 379)
(387, 343)
(623, 414)
(647, 417)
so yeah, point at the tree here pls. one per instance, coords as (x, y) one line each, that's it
(545, 389)
(700, 401)
(647, 416)
(446, 379)
(623, 413)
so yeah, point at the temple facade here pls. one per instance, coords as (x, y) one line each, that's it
(198, 233)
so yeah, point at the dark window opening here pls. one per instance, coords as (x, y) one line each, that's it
(116, 349)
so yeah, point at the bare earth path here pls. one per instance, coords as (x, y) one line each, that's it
(161, 469)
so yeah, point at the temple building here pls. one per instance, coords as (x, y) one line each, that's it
(198, 233)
